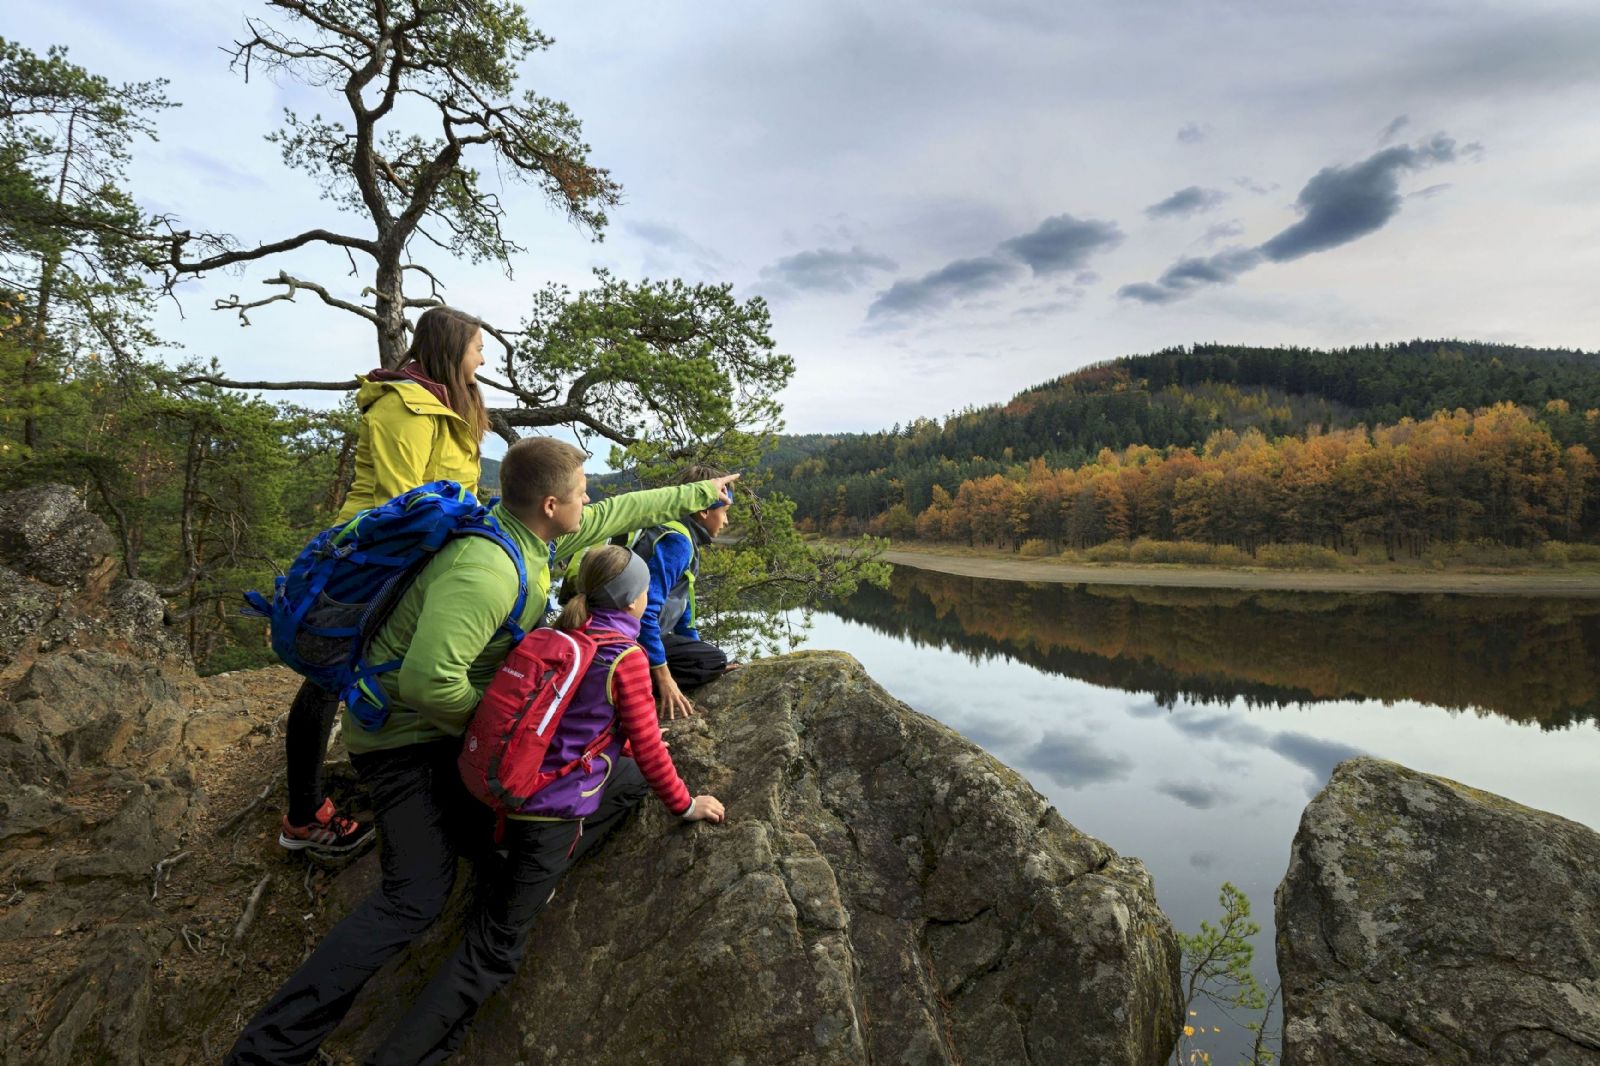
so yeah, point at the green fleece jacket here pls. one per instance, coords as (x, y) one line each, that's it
(445, 627)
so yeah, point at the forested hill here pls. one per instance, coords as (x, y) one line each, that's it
(1180, 397)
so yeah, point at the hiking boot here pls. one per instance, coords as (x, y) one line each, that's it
(329, 833)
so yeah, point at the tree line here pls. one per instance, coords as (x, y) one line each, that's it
(1496, 474)
(1189, 400)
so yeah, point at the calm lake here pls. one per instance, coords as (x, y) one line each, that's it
(1189, 728)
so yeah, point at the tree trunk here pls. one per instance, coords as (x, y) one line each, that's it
(47, 283)
(389, 302)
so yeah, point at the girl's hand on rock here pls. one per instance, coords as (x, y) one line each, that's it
(706, 809)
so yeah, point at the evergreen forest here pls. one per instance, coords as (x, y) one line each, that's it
(1400, 446)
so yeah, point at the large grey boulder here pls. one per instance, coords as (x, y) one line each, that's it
(48, 534)
(883, 892)
(59, 585)
(1423, 921)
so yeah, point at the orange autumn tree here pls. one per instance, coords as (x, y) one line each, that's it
(1494, 475)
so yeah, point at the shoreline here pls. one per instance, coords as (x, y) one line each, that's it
(1000, 568)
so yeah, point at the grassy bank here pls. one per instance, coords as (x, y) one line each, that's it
(1479, 572)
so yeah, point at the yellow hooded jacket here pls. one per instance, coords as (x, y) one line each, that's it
(407, 438)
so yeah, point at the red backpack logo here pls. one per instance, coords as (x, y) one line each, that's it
(520, 714)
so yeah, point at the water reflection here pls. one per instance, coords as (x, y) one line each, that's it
(1526, 660)
(1190, 727)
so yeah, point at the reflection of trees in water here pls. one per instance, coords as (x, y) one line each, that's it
(1528, 660)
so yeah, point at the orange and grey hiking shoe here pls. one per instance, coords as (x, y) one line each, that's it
(329, 833)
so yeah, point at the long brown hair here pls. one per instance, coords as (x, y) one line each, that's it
(600, 565)
(437, 348)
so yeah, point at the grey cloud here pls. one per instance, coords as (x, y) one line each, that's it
(218, 172)
(1147, 293)
(1249, 184)
(1188, 274)
(1075, 761)
(1519, 51)
(1193, 133)
(1185, 202)
(1400, 122)
(1223, 231)
(953, 281)
(1203, 860)
(826, 269)
(670, 238)
(1200, 797)
(1059, 244)
(1430, 192)
(1340, 204)
(1062, 243)
(1044, 310)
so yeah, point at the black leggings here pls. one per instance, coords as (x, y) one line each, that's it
(692, 662)
(426, 818)
(305, 746)
(435, 1024)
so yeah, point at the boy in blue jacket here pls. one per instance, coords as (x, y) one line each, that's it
(679, 659)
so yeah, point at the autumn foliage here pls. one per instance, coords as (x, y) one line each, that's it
(1494, 475)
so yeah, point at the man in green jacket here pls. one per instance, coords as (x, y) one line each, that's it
(445, 630)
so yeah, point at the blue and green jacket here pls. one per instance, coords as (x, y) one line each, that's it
(674, 568)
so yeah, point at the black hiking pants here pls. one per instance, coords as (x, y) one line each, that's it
(692, 662)
(425, 819)
(433, 1027)
(305, 746)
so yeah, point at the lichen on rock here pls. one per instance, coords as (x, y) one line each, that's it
(1424, 921)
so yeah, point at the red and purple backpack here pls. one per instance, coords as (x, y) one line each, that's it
(531, 730)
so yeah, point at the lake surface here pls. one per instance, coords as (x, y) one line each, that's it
(1190, 727)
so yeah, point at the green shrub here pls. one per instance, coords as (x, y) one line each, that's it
(1299, 557)
(1584, 553)
(1145, 550)
(1112, 551)
(1228, 555)
(1033, 548)
(1555, 553)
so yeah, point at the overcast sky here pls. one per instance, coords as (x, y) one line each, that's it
(946, 202)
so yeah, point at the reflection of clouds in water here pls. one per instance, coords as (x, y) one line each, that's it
(1314, 753)
(1201, 797)
(1149, 709)
(992, 736)
(1074, 760)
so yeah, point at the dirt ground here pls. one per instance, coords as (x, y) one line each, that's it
(1051, 571)
(206, 895)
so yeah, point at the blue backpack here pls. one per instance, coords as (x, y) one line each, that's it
(340, 589)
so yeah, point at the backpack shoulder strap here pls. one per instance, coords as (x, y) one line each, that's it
(611, 674)
(488, 527)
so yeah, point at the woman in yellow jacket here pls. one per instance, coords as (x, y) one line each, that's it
(419, 423)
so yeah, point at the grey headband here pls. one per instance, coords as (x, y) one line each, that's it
(624, 588)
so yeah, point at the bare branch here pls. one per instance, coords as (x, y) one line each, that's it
(250, 908)
(178, 239)
(164, 872)
(433, 279)
(224, 383)
(293, 285)
(532, 399)
(563, 415)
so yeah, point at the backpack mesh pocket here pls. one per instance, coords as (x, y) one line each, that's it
(318, 650)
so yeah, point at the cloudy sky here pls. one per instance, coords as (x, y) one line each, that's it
(948, 201)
